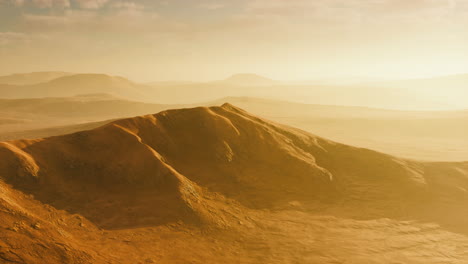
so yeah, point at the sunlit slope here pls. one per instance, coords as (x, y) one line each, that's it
(424, 135)
(223, 184)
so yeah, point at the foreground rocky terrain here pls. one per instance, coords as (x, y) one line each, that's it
(211, 185)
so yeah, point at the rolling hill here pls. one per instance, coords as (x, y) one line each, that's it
(19, 132)
(76, 84)
(31, 78)
(221, 185)
(20, 117)
(85, 106)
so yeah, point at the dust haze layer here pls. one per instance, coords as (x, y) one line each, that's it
(233, 186)
(427, 94)
(421, 135)
(34, 117)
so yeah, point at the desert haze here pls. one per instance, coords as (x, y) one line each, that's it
(95, 170)
(89, 174)
(237, 132)
(437, 135)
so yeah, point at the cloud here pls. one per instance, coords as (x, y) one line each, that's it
(274, 6)
(124, 19)
(7, 38)
(78, 20)
(127, 5)
(128, 8)
(91, 4)
(366, 13)
(12, 2)
(298, 18)
(212, 6)
(345, 7)
(48, 3)
(38, 3)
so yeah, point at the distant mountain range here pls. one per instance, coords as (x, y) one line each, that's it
(31, 78)
(438, 93)
(72, 85)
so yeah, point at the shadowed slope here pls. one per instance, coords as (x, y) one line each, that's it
(107, 163)
(29, 236)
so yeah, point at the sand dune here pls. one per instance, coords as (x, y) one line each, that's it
(146, 188)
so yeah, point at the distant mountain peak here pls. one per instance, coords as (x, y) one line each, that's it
(90, 77)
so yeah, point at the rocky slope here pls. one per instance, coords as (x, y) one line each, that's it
(238, 188)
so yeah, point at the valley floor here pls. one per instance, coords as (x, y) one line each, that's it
(288, 235)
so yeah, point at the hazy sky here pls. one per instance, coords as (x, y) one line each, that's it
(210, 39)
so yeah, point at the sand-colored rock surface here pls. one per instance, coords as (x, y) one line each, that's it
(211, 185)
